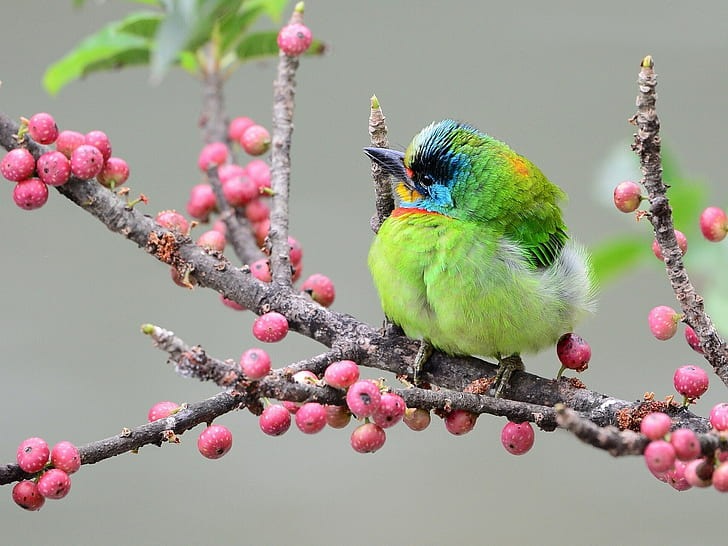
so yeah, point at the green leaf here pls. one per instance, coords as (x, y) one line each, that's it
(257, 44)
(172, 35)
(108, 48)
(613, 257)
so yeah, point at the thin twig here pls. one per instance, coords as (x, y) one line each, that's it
(239, 232)
(647, 146)
(284, 92)
(383, 199)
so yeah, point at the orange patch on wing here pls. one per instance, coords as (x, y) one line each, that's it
(519, 165)
(406, 194)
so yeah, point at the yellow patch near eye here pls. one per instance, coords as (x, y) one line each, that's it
(407, 194)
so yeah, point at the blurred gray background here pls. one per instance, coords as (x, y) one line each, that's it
(556, 80)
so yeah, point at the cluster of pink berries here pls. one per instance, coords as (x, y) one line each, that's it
(676, 457)
(83, 156)
(51, 468)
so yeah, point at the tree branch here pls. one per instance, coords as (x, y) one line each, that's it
(383, 199)
(284, 92)
(646, 145)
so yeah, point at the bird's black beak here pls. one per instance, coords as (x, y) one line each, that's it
(391, 161)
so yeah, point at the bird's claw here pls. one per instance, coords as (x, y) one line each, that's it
(506, 366)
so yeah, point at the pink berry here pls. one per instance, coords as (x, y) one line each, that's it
(305, 377)
(173, 221)
(363, 398)
(720, 478)
(261, 270)
(682, 243)
(257, 211)
(270, 327)
(659, 456)
(390, 411)
(627, 196)
(42, 128)
(53, 168)
(255, 363)
(65, 456)
(255, 140)
(311, 418)
(17, 165)
(337, 416)
(275, 420)
(295, 251)
(239, 191)
(692, 338)
(655, 425)
(215, 441)
(699, 473)
(675, 477)
(201, 202)
(261, 231)
(30, 194)
(342, 374)
(663, 322)
(86, 162)
(32, 454)
(114, 174)
(574, 353)
(368, 438)
(259, 172)
(228, 171)
(517, 438)
(294, 39)
(417, 419)
(162, 410)
(320, 288)
(219, 225)
(291, 407)
(237, 127)
(719, 416)
(690, 381)
(211, 155)
(68, 141)
(459, 422)
(713, 224)
(100, 141)
(211, 240)
(686, 444)
(27, 496)
(54, 484)
(231, 304)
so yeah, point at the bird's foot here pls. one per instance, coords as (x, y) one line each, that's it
(506, 366)
(423, 354)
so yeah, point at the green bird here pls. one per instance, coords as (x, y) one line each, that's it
(475, 259)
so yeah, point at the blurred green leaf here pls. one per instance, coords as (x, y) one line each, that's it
(616, 256)
(111, 47)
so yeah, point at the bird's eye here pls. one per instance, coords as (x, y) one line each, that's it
(426, 180)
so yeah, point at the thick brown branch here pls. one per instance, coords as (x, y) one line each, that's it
(647, 146)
